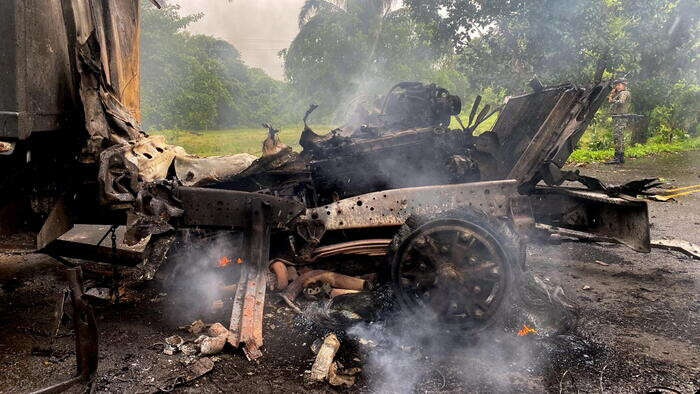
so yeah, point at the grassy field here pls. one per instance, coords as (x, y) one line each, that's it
(639, 150)
(249, 140)
(226, 142)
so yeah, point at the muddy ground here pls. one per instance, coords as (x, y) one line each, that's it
(638, 331)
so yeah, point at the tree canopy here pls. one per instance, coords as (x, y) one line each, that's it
(358, 47)
(350, 48)
(501, 45)
(200, 82)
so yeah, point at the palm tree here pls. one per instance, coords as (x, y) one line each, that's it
(369, 13)
(335, 55)
(369, 9)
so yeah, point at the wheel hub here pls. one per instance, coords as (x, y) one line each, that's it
(453, 272)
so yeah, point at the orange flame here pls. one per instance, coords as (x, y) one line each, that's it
(526, 330)
(224, 261)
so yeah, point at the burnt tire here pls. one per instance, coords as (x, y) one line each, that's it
(470, 291)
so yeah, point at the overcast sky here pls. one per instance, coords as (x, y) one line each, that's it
(259, 29)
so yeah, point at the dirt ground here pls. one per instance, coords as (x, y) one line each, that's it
(638, 331)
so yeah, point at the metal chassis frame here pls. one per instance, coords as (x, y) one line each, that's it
(625, 220)
(393, 207)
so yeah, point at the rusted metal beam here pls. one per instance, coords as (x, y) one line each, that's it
(228, 208)
(247, 312)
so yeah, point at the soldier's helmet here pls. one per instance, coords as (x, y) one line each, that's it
(620, 80)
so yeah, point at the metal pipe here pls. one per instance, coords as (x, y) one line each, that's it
(278, 267)
(332, 278)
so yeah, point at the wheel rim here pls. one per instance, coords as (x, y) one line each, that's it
(452, 271)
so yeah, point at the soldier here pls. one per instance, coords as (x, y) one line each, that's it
(620, 99)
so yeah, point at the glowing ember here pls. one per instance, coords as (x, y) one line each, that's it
(223, 260)
(526, 330)
(239, 260)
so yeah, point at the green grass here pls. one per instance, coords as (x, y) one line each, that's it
(485, 126)
(227, 142)
(249, 140)
(639, 150)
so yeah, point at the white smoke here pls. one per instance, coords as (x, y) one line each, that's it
(194, 276)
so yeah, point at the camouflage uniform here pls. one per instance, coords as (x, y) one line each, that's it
(620, 106)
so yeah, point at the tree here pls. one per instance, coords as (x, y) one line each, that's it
(200, 82)
(504, 44)
(340, 50)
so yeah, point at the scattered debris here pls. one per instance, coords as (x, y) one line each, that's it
(174, 340)
(324, 358)
(345, 377)
(586, 287)
(172, 345)
(546, 306)
(196, 369)
(102, 293)
(678, 245)
(332, 278)
(189, 349)
(345, 310)
(217, 330)
(367, 342)
(6, 148)
(195, 327)
(336, 292)
(602, 263)
(215, 343)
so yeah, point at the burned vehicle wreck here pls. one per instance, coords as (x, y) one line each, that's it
(440, 216)
(394, 199)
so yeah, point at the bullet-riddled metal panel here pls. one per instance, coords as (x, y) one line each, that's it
(228, 208)
(393, 207)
